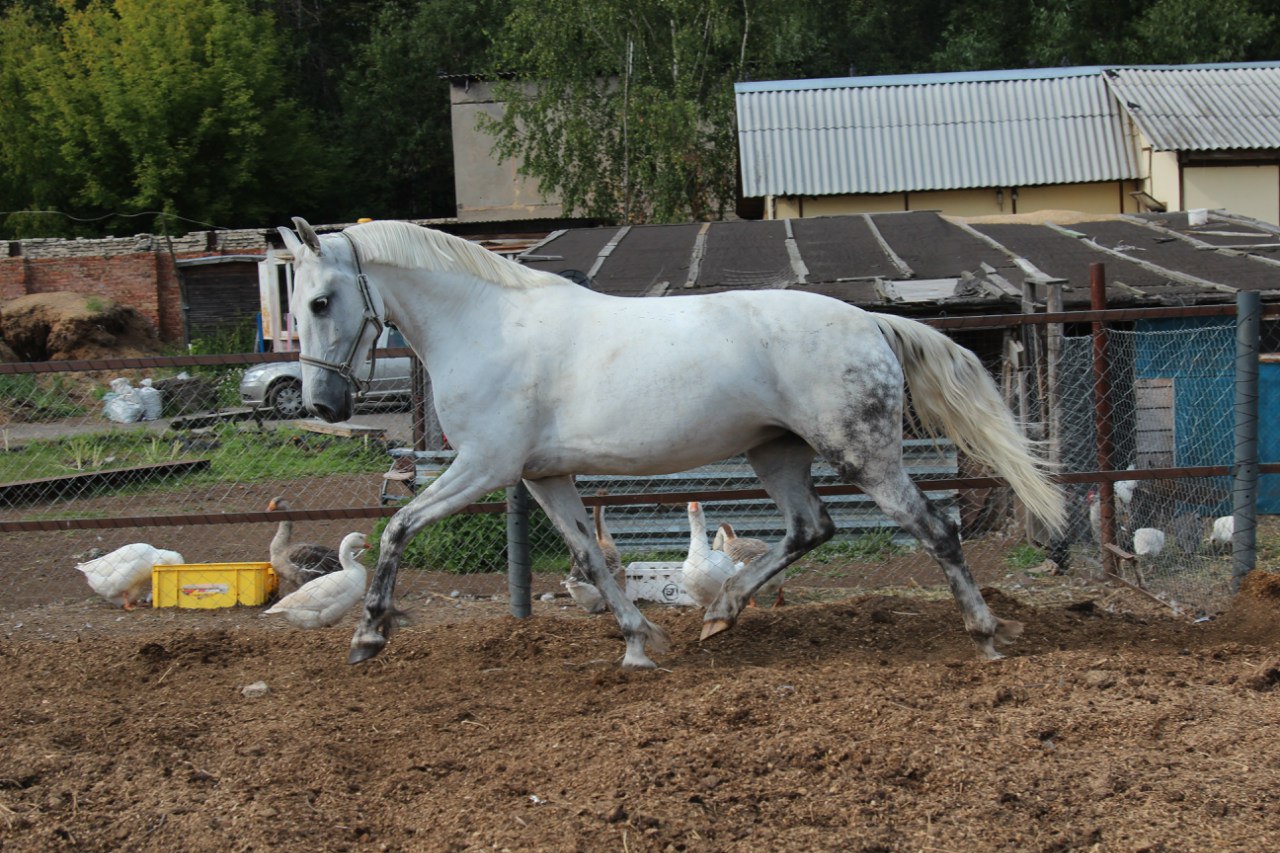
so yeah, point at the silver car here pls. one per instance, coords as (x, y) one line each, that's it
(277, 386)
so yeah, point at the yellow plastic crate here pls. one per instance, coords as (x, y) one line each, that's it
(210, 585)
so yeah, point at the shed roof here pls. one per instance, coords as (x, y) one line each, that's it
(1202, 107)
(930, 132)
(924, 263)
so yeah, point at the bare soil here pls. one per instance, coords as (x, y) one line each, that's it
(851, 724)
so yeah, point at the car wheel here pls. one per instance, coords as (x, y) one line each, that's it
(285, 399)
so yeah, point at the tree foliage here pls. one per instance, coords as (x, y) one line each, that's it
(625, 109)
(213, 110)
(395, 123)
(175, 106)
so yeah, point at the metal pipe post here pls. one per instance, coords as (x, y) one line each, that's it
(1102, 415)
(417, 402)
(519, 564)
(1244, 491)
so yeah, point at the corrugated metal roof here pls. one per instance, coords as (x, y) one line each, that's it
(930, 132)
(1201, 108)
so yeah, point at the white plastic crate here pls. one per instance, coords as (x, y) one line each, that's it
(657, 582)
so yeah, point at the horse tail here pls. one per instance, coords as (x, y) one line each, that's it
(953, 394)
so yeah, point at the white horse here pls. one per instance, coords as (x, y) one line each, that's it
(538, 378)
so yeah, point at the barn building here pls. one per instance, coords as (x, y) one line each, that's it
(1095, 139)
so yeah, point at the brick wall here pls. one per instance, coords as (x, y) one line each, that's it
(135, 271)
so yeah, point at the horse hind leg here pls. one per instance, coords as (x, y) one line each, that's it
(564, 507)
(783, 466)
(899, 498)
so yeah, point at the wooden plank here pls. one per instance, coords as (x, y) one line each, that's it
(49, 488)
(205, 419)
(344, 429)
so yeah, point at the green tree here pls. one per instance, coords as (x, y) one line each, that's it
(176, 106)
(625, 109)
(1182, 31)
(395, 121)
(31, 172)
(983, 35)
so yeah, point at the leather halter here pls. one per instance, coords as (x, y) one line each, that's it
(346, 369)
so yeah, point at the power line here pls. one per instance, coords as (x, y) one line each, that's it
(123, 215)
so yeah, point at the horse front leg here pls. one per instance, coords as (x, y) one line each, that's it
(459, 485)
(560, 499)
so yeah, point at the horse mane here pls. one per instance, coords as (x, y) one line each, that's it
(409, 246)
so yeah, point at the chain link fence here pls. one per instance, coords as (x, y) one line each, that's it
(164, 452)
(1169, 396)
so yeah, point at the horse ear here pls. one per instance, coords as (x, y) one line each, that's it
(308, 234)
(291, 241)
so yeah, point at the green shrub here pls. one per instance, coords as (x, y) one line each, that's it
(468, 543)
(228, 339)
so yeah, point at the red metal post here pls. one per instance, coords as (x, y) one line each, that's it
(1102, 414)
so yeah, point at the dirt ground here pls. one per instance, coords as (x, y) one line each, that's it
(851, 724)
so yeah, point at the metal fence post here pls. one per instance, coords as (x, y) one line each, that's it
(1245, 488)
(1103, 415)
(519, 565)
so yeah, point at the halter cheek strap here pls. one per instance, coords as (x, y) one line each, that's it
(372, 317)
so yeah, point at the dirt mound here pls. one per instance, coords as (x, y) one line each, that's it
(73, 326)
(1255, 611)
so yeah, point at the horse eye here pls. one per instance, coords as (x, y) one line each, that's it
(319, 305)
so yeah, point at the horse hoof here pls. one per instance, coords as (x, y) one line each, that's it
(630, 661)
(714, 626)
(363, 651)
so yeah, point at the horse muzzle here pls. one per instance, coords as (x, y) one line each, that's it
(328, 396)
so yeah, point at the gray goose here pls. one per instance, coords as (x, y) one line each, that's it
(581, 590)
(745, 550)
(301, 562)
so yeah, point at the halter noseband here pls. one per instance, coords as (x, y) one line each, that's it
(347, 368)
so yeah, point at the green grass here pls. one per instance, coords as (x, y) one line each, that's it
(238, 455)
(1024, 557)
(872, 547)
(30, 399)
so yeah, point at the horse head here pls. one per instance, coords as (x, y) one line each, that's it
(338, 315)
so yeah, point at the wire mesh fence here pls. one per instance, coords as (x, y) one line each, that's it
(169, 454)
(1170, 405)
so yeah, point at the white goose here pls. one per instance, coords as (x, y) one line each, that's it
(124, 576)
(1224, 528)
(704, 571)
(323, 601)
